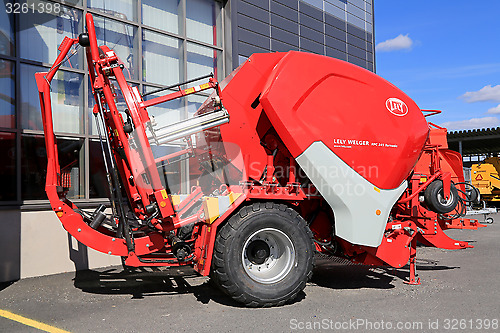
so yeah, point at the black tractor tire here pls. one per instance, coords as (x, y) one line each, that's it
(435, 200)
(263, 255)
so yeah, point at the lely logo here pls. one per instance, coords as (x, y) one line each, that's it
(396, 106)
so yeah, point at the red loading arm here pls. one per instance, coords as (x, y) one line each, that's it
(43, 80)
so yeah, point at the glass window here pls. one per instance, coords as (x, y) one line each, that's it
(98, 183)
(162, 58)
(66, 97)
(34, 167)
(122, 38)
(7, 94)
(6, 31)
(202, 60)
(161, 14)
(121, 9)
(203, 21)
(8, 171)
(41, 33)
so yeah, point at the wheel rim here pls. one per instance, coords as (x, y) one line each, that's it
(268, 255)
(445, 202)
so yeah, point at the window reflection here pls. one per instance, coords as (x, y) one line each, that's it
(202, 60)
(164, 15)
(122, 38)
(8, 171)
(7, 94)
(66, 96)
(34, 167)
(6, 31)
(121, 9)
(161, 58)
(203, 21)
(41, 34)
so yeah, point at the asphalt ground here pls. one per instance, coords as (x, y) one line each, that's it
(460, 292)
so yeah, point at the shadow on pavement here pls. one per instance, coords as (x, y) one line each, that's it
(336, 273)
(147, 282)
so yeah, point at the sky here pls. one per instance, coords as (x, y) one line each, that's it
(445, 55)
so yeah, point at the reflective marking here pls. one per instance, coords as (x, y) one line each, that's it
(31, 322)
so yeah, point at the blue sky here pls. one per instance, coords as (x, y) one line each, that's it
(445, 54)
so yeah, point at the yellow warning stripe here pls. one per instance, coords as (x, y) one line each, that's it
(31, 322)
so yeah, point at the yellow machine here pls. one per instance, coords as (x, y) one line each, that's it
(485, 176)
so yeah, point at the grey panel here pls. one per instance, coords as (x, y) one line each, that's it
(278, 46)
(290, 3)
(253, 11)
(311, 34)
(310, 22)
(311, 46)
(369, 37)
(358, 42)
(260, 3)
(284, 36)
(335, 21)
(311, 11)
(334, 10)
(284, 11)
(368, 17)
(356, 31)
(369, 47)
(335, 43)
(359, 3)
(355, 21)
(336, 53)
(353, 50)
(334, 32)
(370, 66)
(253, 25)
(284, 23)
(247, 50)
(353, 199)
(253, 38)
(315, 3)
(338, 3)
(359, 11)
(356, 61)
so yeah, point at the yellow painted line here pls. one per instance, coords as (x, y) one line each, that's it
(31, 322)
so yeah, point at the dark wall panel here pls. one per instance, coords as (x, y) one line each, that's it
(284, 25)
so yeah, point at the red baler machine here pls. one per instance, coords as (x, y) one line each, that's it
(292, 154)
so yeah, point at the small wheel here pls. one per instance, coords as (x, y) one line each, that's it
(489, 220)
(264, 255)
(473, 195)
(435, 199)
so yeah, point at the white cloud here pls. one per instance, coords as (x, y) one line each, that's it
(472, 123)
(401, 42)
(486, 93)
(495, 110)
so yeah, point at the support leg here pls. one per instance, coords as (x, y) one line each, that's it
(414, 280)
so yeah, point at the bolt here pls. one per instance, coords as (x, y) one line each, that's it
(258, 268)
(113, 239)
(59, 208)
(147, 245)
(399, 265)
(109, 252)
(79, 230)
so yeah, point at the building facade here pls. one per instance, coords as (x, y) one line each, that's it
(161, 42)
